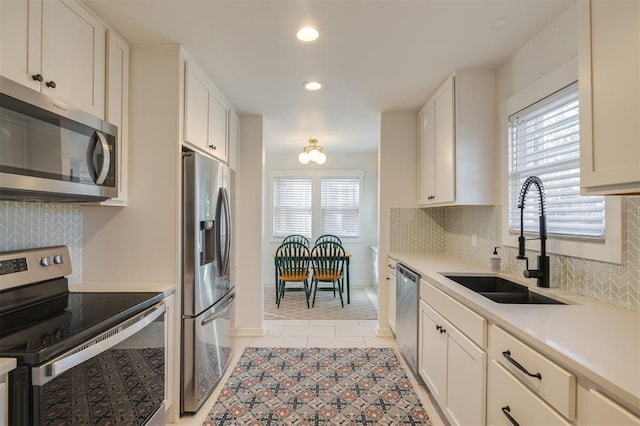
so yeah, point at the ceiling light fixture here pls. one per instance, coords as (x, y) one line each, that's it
(307, 34)
(312, 85)
(312, 152)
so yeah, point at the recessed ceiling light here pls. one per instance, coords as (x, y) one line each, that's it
(307, 34)
(312, 85)
(500, 23)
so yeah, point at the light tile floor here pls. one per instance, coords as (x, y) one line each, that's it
(316, 333)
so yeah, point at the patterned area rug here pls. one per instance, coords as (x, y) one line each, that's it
(317, 386)
(294, 306)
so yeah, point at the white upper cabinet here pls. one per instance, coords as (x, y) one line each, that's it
(609, 81)
(457, 142)
(117, 107)
(234, 139)
(57, 47)
(206, 124)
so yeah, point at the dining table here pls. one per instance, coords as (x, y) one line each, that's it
(346, 258)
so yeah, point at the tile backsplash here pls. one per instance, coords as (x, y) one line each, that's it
(449, 230)
(29, 225)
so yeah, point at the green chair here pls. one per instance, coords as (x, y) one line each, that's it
(328, 237)
(297, 238)
(327, 259)
(292, 263)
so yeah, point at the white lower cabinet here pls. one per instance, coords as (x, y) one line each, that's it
(602, 411)
(511, 403)
(453, 368)
(391, 294)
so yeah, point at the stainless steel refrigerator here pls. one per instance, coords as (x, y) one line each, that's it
(207, 290)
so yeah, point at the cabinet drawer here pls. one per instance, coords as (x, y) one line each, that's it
(509, 397)
(602, 411)
(553, 383)
(471, 324)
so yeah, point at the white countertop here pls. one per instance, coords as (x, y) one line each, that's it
(6, 365)
(118, 287)
(591, 338)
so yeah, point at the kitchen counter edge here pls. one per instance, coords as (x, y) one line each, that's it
(122, 287)
(557, 331)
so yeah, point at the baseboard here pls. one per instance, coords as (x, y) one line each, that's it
(384, 331)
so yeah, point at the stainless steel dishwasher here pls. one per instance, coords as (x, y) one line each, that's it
(407, 299)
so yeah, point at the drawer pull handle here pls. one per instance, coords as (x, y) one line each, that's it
(507, 355)
(507, 413)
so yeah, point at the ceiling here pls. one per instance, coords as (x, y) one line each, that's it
(372, 55)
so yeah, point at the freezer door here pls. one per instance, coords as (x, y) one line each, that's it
(206, 353)
(206, 231)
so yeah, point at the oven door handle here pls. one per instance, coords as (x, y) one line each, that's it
(87, 350)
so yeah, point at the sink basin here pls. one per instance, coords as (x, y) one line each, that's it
(501, 290)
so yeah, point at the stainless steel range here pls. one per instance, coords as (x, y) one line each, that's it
(83, 358)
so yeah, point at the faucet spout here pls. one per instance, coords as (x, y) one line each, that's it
(542, 273)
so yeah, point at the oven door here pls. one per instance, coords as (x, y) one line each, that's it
(206, 353)
(117, 377)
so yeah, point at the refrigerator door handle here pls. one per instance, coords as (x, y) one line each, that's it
(218, 314)
(227, 209)
(219, 206)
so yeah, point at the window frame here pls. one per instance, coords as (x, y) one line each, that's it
(316, 204)
(607, 250)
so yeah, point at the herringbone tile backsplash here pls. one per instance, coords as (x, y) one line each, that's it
(448, 230)
(29, 225)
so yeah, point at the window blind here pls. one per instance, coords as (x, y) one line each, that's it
(291, 206)
(544, 141)
(340, 201)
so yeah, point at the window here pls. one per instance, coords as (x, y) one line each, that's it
(544, 141)
(291, 206)
(340, 200)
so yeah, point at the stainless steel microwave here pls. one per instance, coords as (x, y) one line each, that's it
(50, 151)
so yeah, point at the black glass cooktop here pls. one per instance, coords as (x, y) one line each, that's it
(39, 332)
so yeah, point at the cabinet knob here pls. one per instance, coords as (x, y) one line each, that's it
(212, 147)
(51, 84)
(37, 77)
(438, 328)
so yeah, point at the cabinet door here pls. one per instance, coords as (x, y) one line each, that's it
(391, 297)
(234, 138)
(609, 54)
(219, 124)
(21, 41)
(466, 379)
(601, 411)
(432, 363)
(198, 97)
(444, 156)
(73, 56)
(426, 156)
(117, 106)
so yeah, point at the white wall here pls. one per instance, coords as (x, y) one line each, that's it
(550, 48)
(360, 264)
(248, 311)
(398, 168)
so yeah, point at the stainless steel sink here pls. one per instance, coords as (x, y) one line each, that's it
(501, 290)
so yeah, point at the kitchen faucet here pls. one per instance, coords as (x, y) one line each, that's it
(542, 273)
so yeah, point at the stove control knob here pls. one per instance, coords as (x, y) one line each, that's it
(46, 340)
(59, 333)
(58, 259)
(45, 261)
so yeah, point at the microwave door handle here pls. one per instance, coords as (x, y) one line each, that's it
(106, 161)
